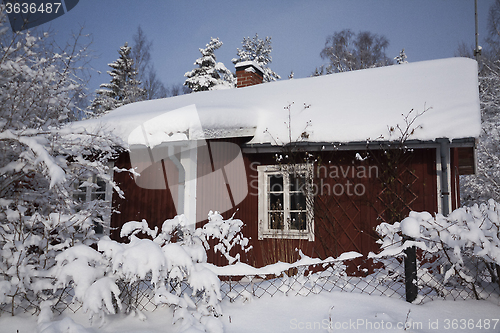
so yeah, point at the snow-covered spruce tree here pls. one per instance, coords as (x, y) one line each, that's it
(258, 50)
(124, 87)
(210, 74)
(41, 162)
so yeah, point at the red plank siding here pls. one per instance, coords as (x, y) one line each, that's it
(342, 222)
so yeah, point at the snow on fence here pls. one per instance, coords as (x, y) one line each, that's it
(304, 278)
(388, 280)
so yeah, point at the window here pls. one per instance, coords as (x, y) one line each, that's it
(95, 188)
(286, 201)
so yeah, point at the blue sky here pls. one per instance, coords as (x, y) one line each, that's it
(427, 29)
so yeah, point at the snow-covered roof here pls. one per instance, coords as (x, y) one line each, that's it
(346, 107)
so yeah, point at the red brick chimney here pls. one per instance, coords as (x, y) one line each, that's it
(248, 73)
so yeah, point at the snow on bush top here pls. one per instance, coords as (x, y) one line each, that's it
(344, 107)
(410, 227)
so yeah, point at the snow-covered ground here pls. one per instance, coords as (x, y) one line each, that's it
(327, 312)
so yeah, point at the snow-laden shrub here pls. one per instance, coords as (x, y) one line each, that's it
(39, 216)
(176, 256)
(172, 260)
(42, 161)
(227, 235)
(462, 248)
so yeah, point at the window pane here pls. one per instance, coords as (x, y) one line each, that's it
(98, 227)
(101, 185)
(276, 201)
(297, 183)
(297, 201)
(98, 196)
(275, 183)
(79, 197)
(298, 221)
(276, 220)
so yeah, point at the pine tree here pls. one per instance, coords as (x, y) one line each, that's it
(258, 50)
(210, 74)
(124, 88)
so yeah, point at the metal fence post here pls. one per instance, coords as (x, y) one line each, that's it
(411, 272)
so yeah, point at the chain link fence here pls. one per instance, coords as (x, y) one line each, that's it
(481, 283)
(434, 281)
(475, 279)
(306, 280)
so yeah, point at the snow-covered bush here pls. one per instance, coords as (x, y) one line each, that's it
(227, 235)
(39, 213)
(181, 252)
(463, 248)
(172, 260)
(42, 162)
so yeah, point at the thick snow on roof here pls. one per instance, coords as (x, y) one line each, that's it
(345, 107)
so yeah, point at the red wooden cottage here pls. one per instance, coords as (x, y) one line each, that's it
(314, 163)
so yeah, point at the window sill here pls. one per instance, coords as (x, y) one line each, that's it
(280, 234)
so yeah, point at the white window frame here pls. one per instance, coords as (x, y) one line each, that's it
(265, 231)
(108, 198)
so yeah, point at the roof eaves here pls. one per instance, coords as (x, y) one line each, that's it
(359, 145)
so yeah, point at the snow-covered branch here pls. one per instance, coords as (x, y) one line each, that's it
(468, 231)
